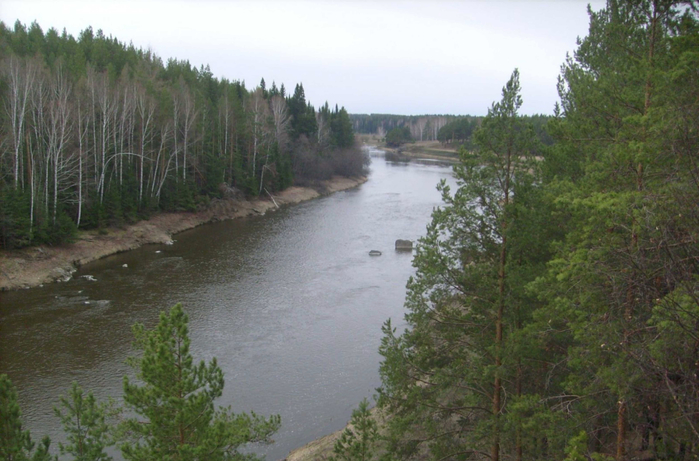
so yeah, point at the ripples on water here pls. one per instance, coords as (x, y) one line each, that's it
(291, 304)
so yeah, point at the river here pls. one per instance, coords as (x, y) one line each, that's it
(291, 305)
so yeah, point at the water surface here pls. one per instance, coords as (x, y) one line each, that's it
(291, 305)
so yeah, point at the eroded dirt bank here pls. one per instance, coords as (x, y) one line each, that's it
(37, 265)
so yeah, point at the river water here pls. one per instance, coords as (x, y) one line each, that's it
(291, 305)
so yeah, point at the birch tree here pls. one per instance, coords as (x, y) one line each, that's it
(59, 130)
(280, 115)
(145, 108)
(20, 75)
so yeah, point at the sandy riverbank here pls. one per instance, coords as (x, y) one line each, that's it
(37, 265)
(322, 448)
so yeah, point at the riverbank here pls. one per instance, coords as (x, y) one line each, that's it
(418, 150)
(322, 448)
(34, 266)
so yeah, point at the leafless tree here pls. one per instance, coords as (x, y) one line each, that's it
(58, 131)
(184, 115)
(280, 115)
(258, 109)
(323, 133)
(20, 75)
(145, 108)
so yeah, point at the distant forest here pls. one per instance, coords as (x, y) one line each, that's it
(450, 130)
(98, 133)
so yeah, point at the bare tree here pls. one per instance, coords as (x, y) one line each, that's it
(258, 110)
(20, 75)
(420, 125)
(145, 108)
(122, 135)
(58, 130)
(323, 133)
(224, 117)
(104, 112)
(280, 115)
(82, 145)
(184, 115)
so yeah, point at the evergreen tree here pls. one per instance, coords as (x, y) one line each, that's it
(357, 442)
(83, 420)
(177, 419)
(444, 378)
(16, 443)
(341, 132)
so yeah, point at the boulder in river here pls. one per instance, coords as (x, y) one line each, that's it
(374, 253)
(404, 245)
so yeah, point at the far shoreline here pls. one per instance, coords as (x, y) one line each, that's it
(35, 266)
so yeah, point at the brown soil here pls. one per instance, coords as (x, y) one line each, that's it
(317, 450)
(322, 448)
(37, 265)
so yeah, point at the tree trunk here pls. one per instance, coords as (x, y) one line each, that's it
(621, 432)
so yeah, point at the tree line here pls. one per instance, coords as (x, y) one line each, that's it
(420, 127)
(459, 132)
(450, 130)
(98, 133)
(554, 313)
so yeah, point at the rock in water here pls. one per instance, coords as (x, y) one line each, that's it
(404, 245)
(374, 253)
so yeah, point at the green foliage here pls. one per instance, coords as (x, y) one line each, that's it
(598, 290)
(177, 418)
(139, 135)
(398, 136)
(83, 420)
(470, 268)
(458, 131)
(14, 218)
(341, 133)
(356, 443)
(16, 443)
(577, 450)
(303, 120)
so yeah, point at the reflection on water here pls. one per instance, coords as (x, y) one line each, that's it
(291, 304)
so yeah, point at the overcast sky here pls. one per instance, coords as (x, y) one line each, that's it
(401, 57)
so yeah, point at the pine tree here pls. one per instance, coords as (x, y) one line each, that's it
(621, 291)
(16, 443)
(83, 420)
(177, 419)
(356, 443)
(443, 379)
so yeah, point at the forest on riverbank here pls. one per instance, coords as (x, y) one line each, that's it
(452, 131)
(98, 133)
(554, 313)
